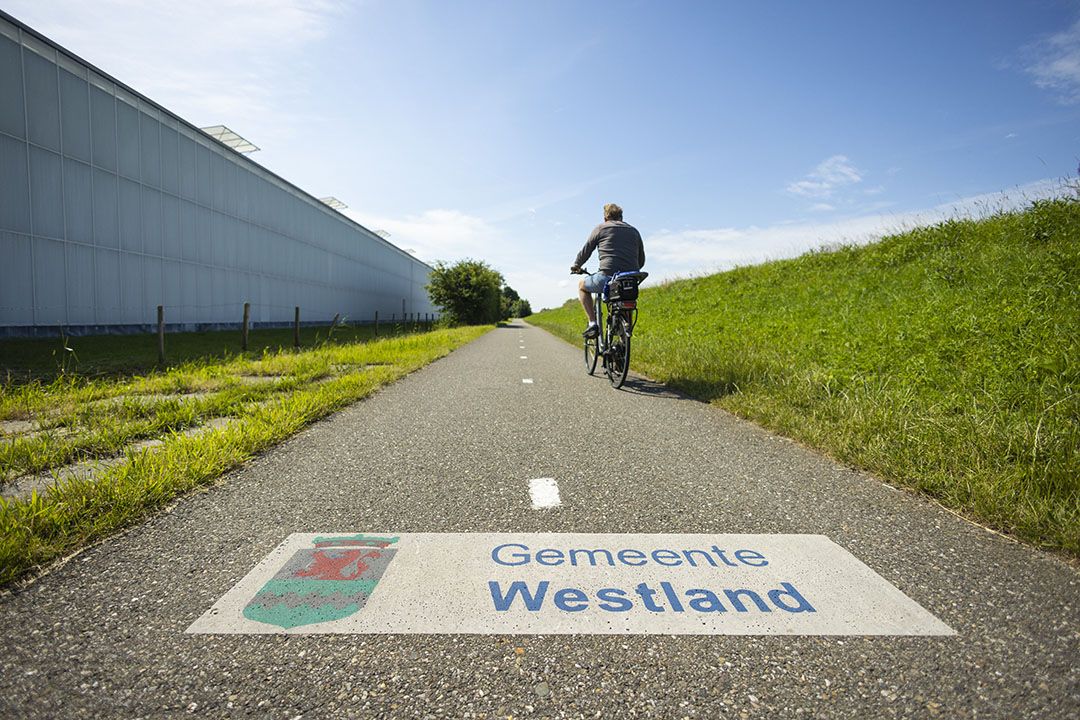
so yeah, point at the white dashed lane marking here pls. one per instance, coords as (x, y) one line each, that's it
(544, 493)
(527, 381)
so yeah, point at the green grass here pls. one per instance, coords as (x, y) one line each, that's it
(309, 384)
(945, 359)
(29, 359)
(70, 405)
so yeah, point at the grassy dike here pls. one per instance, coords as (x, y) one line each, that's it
(945, 359)
(308, 385)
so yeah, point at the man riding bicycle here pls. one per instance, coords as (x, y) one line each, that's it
(621, 250)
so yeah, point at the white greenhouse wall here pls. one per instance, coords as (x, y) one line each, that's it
(110, 206)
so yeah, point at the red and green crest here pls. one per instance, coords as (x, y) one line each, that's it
(329, 581)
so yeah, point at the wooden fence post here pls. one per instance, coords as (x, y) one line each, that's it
(296, 328)
(334, 322)
(376, 323)
(244, 330)
(161, 334)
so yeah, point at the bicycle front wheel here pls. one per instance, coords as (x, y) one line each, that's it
(618, 361)
(592, 353)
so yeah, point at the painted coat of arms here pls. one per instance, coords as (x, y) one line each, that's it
(329, 581)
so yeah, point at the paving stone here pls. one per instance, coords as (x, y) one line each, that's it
(22, 486)
(16, 427)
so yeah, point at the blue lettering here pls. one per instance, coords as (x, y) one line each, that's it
(672, 598)
(549, 556)
(723, 558)
(524, 557)
(733, 598)
(503, 602)
(626, 555)
(689, 555)
(592, 556)
(646, 593)
(613, 600)
(673, 557)
(801, 605)
(566, 596)
(745, 556)
(705, 601)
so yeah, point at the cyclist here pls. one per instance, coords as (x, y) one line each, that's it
(621, 250)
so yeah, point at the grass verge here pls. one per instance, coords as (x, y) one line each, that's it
(41, 528)
(96, 356)
(87, 416)
(944, 359)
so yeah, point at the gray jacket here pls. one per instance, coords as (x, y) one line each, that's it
(621, 248)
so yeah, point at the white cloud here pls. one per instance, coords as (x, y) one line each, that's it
(210, 61)
(696, 252)
(437, 234)
(830, 175)
(822, 207)
(1055, 64)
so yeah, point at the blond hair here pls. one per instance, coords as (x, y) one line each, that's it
(612, 212)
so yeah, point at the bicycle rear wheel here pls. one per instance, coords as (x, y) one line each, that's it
(618, 359)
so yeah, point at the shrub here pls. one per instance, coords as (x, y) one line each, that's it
(469, 292)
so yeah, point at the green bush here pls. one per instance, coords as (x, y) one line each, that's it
(469, 292)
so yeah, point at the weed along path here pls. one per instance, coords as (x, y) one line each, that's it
(500, 535)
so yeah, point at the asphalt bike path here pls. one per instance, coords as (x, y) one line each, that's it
(451, 449)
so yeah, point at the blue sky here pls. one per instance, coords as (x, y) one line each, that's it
(730, 132)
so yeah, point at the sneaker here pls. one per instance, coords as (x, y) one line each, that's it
(591, 331)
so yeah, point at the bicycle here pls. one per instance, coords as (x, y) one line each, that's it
(612, 342)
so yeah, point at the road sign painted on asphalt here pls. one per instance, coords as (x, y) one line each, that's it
(550, 583)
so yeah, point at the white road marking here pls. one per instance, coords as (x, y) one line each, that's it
(544, 493)
(556, 583)
(524, 357)
(527, 381)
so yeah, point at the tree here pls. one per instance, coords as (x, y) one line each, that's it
(469, 292)
(509, 303)
(513, 305)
